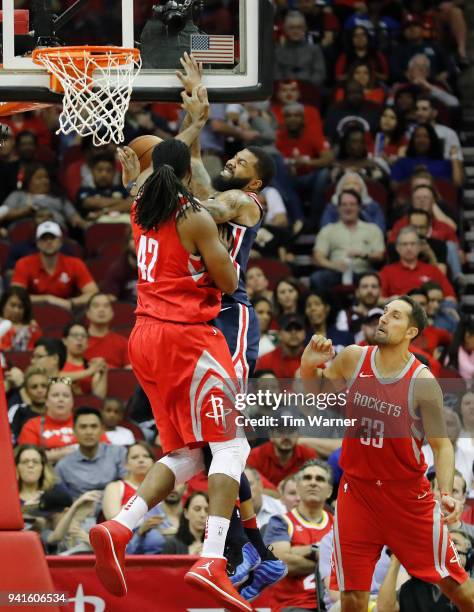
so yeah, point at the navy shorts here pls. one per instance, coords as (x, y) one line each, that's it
(239, 324)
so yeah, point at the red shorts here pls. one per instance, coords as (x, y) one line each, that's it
(187, 373)
(402, 515)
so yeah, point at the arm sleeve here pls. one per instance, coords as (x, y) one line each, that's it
(276, 531)
(20, 273)
(82, 277)
(322, 241)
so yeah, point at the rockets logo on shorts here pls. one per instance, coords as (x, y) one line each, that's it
(219, 412)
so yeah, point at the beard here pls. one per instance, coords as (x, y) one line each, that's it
(221, 183)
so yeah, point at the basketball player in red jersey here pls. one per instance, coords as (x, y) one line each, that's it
(185, 368)
(384, 497)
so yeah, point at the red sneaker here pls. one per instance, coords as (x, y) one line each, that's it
(109, 540)
(209, 574)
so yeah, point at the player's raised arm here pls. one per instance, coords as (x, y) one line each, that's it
(202, 230)
(196, 105)
(429, 400)
(333, 377)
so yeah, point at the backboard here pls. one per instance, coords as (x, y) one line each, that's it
(233, 38)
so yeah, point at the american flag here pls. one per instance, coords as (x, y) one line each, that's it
(213, 49)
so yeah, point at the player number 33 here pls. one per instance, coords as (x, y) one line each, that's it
(146, 258)
(373, 430)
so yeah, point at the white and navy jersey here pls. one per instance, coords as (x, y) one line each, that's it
(244, 237)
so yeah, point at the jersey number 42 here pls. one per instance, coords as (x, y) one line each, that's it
(146, 258)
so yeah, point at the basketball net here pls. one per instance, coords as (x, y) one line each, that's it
(97, 84)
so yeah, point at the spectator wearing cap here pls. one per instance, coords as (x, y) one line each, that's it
(285, 359)
(51, 277)
(265, 505)
(369, 326)
(414, 44)
(281, 456)
(94, 464)
(296, 58)
(345, 246)
(319, 315)
(295, 538)
(400, 277)
(306, 155)
(102, 341)
(353, 109)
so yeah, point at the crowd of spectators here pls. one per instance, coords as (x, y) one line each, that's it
(362, 127)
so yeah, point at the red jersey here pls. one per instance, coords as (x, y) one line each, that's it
(47, 432)
(300, 591)
(173, 285)
(128, 491)
(284, 366)
(385, 442)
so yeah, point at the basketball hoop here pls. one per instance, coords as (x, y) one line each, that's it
(97, 85)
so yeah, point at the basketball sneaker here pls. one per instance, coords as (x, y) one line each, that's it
(109, 540)
(269, 572)
(250, 560)
(209, 574)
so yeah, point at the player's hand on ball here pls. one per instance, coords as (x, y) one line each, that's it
(451, 508)
(319, 350)
(130, 165)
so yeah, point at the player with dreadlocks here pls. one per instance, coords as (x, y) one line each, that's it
(185, 368)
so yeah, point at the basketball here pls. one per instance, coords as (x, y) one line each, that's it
(143, 147)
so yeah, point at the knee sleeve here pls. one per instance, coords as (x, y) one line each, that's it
(229, 457)
(184, 463)
(244, 491)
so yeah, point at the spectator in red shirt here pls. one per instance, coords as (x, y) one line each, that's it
(54, 430)
(280, 457)
(53, 278)
(285, 359)
(102, 341)
(88, 377)
(400, 277)
(424, 197)
(289, 92)
(307, 156)
(15, 306)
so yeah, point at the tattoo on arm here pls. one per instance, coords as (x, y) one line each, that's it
(201, 184)
(226, 206)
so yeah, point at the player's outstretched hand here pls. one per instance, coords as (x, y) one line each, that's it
(196, 104)
(192, 75)
(452, 509)
(130, 165)
(318, 351)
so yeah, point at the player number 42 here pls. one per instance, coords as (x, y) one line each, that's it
(373, 430)
(147, 247)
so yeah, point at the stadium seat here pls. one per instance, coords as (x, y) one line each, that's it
(123, 330)
(111, 251)
(99, 234)
(124, 314)
(4, 250)
(22, 231)
(18, 359)
(273, 269)
(75, 249)
(88, 400)
(121, 383)
(54, 331)
(99, 268)
(45, 314)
